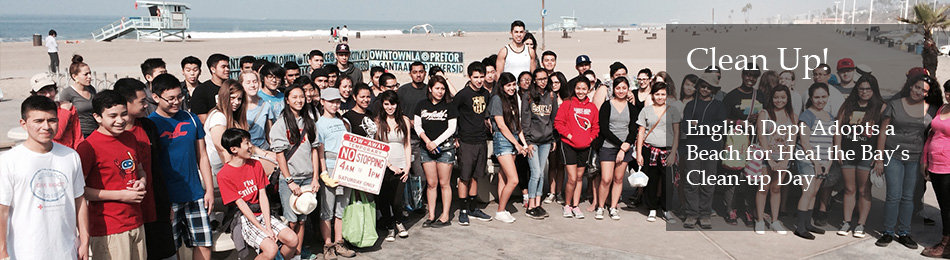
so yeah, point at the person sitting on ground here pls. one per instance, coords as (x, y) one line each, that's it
(240, 181)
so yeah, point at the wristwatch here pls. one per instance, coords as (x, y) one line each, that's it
(289, 180)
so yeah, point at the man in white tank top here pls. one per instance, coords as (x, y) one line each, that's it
(514, 57)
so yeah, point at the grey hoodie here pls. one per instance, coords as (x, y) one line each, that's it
(353, 73)
(537, 118)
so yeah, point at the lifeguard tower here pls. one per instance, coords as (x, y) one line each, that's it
(165, 20)
(568, 23)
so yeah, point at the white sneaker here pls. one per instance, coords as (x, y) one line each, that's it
(760, 227)
(504, 216)
(859, 231)
(578, 214)
(652, 216)
(296, 257)
(391, 237)
(403, 233)
(599, 214)
(614, 214)
(779, 228)
(669, 217)
(845, 229)
(549, 199)
(567, 212)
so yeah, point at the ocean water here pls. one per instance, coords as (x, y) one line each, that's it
(22, 27)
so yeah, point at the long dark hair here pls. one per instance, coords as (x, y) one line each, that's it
(691, 78)
(530, 82)
(933, 97)
(577, 80)
(538, 91)
(770, 103)
(447, 97)
(617, 82)
(670, 84)
(874, 105)
(509, 104)
(811, 92)
(382, 118)
(309, 123)
(562, 93)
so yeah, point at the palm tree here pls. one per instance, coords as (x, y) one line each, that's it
(746, 9)
(926, 21)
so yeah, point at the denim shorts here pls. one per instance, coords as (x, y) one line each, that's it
(501, 145)
(806, 168)
(446, 156)
(864, 165)
(284, 190)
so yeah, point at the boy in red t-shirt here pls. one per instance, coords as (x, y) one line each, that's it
(115, 182)
(240, 181)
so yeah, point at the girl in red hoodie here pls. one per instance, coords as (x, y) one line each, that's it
(577, 121)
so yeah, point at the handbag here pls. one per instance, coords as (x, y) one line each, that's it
(753, 166)
(359, 221)
(637, 178)
(877, 179)
(740, 143)
(413, 193)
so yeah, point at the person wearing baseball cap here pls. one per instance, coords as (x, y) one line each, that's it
(68, 132)
(346, 67)
(846, 79)
(333, 198)
(582, 64)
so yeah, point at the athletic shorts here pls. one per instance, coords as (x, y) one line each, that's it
(610, 154)
(575, 156)
(471, 160)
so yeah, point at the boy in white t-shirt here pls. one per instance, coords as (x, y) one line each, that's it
(41, 192)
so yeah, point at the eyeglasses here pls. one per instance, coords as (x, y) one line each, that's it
(179, 98)
(525, 80)
(819, 74)
(864, 89)
(271, 77)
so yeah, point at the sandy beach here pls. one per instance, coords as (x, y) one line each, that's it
(21, 60)
(121, 58)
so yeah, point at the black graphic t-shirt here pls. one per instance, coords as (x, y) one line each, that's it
(362, 124)
(472, 109)
(435, 118)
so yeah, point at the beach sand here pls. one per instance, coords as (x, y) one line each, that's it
(121, 58)
(21, 60)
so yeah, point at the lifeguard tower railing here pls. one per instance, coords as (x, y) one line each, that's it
(160, 27)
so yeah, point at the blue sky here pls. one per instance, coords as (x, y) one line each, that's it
(590, 12)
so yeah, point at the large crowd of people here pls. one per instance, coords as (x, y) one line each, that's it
(132, 172)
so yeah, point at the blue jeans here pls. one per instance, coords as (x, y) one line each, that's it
(900, 178)
(536, 164)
